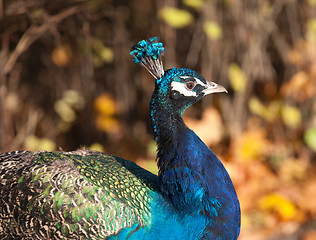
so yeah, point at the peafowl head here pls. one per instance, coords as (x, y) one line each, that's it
(176, 88)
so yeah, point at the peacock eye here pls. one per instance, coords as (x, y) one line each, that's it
(190, 85)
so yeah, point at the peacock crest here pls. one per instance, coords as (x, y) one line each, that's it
(147, 53)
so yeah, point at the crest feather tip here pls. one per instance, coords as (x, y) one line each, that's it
(147, 53)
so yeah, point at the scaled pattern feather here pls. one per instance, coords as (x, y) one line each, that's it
(91, 195)
(82, 194)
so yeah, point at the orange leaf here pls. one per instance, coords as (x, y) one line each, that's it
(105, 105)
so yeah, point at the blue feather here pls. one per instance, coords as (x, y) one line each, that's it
(147, 49)
(147, 53)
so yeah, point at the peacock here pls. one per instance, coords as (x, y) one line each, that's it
(87, 194)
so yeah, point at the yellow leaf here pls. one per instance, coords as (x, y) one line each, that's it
(310, 138)
(106, 54)
(97, 147)
(46, 145)
(105, 105)
(31, 143)
(269, 113)
(197, 4)
(256, 107)
(280, 205)
(66, 113)
(291, 116)
(34, 143)
(101, 54)
(252, 145)
(237, 78)
(312, 2)
(311, 30)
(176, 17)
(74, 99)
(213, 30)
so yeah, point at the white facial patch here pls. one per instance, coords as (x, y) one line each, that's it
(180, 87)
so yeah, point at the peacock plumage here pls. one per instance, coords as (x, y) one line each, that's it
(91, 195)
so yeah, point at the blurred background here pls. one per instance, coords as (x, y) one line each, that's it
(67, 81)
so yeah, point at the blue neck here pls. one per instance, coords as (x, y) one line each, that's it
(182, 161)
(191, 177)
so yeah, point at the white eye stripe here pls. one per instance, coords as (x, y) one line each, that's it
(180, 87)
(198, 81)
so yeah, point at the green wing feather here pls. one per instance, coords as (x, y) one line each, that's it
(81, 194)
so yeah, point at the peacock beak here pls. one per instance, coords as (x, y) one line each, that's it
(213, 88)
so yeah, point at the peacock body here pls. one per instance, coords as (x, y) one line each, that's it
(91, 195)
